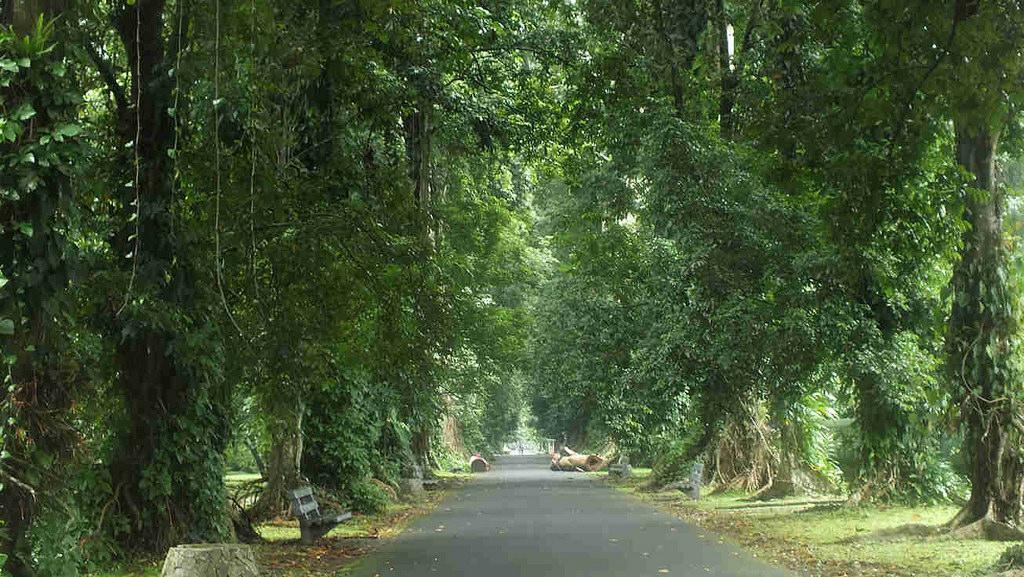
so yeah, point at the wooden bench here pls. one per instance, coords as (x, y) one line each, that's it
(620, 470)
(312, 522)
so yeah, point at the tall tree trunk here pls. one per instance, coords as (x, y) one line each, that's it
(788, 73)
(421, 448)
(679, 25)
(38, 396)
(23, 14)
(166, 466)
(284, 461)
(792, 477)
(980, 341)
(257, 458)
(418, 150)
(743, 457)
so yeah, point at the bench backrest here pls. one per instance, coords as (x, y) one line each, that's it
(304, 506)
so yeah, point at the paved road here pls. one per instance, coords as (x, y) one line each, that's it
(521, 519)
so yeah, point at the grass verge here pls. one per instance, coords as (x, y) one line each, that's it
(812, 535)
(281, 555)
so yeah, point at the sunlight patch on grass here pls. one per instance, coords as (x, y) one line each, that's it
(461, 475)
(359, 526)
(238, 478)
(824, 531)
(382, 525)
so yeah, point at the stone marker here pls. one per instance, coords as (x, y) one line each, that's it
(210, 560)
(411, 483)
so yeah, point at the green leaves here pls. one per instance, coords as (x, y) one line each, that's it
(23, 112)
(66, 131)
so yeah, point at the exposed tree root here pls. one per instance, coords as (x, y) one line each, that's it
(744, 458)
(779, 489)
(988, 530)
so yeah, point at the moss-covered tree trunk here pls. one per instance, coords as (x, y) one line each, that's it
(37, 439)
(167, 465)
(284, 459)
(980, 341)
(792, 476)
(744, 457)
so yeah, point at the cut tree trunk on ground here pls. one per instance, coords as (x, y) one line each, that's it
(569, 460)
(478, 464)
(210, 560)
(581, 462)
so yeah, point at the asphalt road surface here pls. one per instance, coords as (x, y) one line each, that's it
(520, 519)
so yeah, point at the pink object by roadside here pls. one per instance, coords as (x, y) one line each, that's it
(478, 464)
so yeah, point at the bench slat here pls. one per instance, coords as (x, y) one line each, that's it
(301, 492)
(305, 508)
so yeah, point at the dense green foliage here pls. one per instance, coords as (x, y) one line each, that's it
(755, 224)
(353, 242)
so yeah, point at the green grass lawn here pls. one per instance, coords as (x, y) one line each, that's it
(826, 528)
(386, 524)
(237, 478)
(802, 532)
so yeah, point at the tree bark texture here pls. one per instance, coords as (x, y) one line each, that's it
(283, 463)
(980, 341)
(166, 486)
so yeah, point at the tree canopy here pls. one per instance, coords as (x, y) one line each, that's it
(356, 241)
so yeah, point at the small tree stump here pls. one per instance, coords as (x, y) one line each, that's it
(210, 560)
(410, 487)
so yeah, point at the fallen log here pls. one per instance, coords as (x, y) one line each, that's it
(577, 462)
(478, 464)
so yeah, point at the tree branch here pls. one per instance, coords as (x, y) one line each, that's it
(106, 70)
